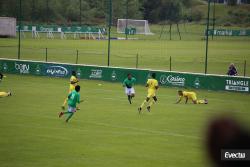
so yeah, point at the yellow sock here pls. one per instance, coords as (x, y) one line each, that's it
(4, 94)
(200, 101)
(143, 104)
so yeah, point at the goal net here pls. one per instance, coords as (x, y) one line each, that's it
(130, 26)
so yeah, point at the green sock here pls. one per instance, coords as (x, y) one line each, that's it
(70, 115)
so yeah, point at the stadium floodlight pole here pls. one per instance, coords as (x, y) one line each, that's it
(126, 29)
(110, 22)
(207, 29)
(19, 28)
(213, 20)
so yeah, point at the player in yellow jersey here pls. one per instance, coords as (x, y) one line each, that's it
(152, 85)
(73, 82)
(4, 94)
(190, 96)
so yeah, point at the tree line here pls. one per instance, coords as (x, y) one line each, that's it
(97, 11)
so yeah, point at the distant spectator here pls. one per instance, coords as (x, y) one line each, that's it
(232, 71)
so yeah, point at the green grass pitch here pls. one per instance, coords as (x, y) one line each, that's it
(107, 131)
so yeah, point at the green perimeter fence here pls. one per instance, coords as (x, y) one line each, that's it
(123, 58)
(114, 74)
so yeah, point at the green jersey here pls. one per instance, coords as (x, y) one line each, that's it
(129, 83)
(73, 98)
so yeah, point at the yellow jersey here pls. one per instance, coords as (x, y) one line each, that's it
(73, 79)
(189, 95)
(72, 86)
(152, 84)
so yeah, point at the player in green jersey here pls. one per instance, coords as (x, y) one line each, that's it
(129, 83)
(73, 99)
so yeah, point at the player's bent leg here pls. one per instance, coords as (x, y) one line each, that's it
(70, 115)
(195, 101)
(151, 103)
(5, 94)
(143, 104)
(155, 98)
(202, 101)
(129, 99)
(60, 114)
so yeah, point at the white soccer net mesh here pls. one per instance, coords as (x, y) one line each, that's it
(140, 26)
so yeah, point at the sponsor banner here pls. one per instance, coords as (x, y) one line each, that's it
(112, 74)
(22, 68)
(227, 32)
(96, 74)
(237, 85)
(56, 70)
(172, 80)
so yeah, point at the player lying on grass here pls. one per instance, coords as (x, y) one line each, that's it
(190, 95)
(152, 85)
(128, 83)
(4, 94)
(73, 99)
(73, 82)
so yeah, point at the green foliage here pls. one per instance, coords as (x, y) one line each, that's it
(238, 16)
(196, 15)
(97, 11)
(232, 2)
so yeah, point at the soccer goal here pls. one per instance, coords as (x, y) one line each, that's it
(130, 26)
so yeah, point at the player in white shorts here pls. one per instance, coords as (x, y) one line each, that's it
(129, 83)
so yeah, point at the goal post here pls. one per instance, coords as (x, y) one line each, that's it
(130, 26)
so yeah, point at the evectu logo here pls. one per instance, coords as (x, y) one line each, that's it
(235, 154)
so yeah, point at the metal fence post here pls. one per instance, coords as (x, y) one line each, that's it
(170, 63)
(77, 53)
(207, 36)
(137, 60)
(46, 54)
(245, 66)
(19, 29)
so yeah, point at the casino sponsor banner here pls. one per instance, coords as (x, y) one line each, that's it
(114, 74)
